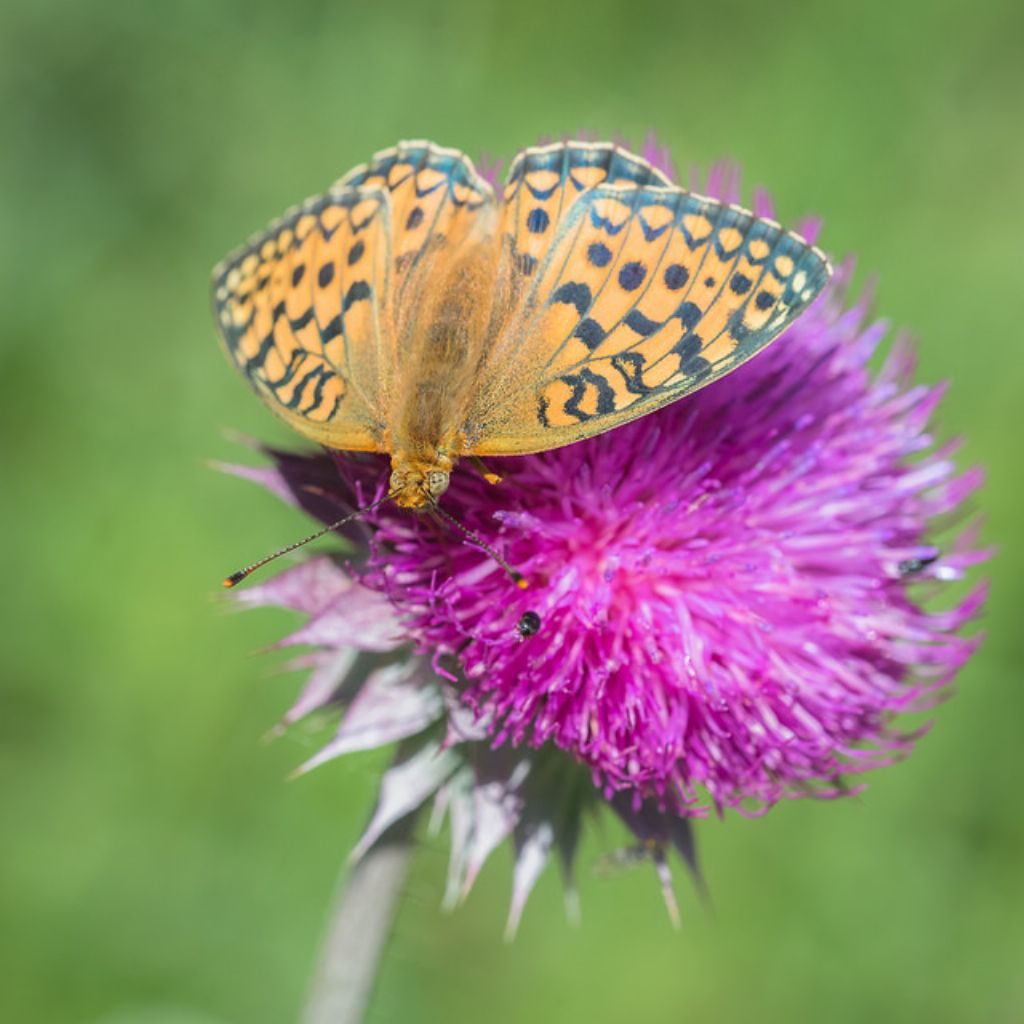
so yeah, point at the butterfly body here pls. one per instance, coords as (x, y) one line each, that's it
(412, 311)
(437, 368)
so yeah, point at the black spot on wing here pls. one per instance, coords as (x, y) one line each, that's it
(695, 367)
(632, 275)
(537, 222)
(631, 365)
(289, 371)
(579, 382)
(525, 263)
(590, 332)
(331, 330)
(676, 276)
(644, 326)
(740, 283)
(303, 320)
(357, 292)
(737, 328)
(542, 412)
(573, 293)
(322, 377)
(300, 388)
(689, 314)
(687, 347)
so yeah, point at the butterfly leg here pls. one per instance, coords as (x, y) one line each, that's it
(481, 467)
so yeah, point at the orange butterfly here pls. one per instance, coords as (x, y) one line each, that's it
(410, 311)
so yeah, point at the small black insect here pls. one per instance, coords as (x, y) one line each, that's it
(912, 565)
(528, 624)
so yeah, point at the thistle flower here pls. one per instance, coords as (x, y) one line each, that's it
(731, 603)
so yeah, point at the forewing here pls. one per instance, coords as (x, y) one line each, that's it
(299, 311)
(309, 310)
(645, 293)
(436, 199)
(543, 184)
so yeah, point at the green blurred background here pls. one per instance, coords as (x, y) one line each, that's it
(157, 867)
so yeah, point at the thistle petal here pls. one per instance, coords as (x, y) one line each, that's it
(417, 772)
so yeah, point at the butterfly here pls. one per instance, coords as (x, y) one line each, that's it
(411, 310)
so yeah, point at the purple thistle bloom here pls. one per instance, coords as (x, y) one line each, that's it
(735, 594)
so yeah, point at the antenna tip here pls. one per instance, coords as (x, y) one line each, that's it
(520, 581)
(234, 579)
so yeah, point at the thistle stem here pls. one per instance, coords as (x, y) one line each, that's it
(360, 923)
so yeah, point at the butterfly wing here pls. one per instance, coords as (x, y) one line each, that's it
(308, 311)
(436, 200)
(545, 181)
(643, 293)
(299, 314)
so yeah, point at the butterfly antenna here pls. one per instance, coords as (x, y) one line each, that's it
(236, 577)
(517, 577)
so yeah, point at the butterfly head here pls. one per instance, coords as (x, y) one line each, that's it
(418, 485)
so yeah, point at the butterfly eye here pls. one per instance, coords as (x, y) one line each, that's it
(437, 483)
(397, 481)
